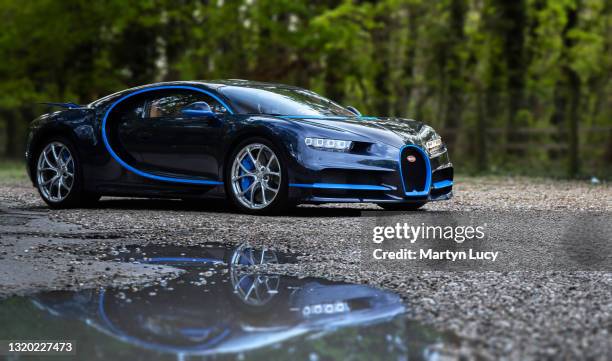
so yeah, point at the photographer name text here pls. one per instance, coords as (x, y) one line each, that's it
(430, 254)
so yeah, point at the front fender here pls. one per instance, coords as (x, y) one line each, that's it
(284, 134)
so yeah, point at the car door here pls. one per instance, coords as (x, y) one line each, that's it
(181, 145)
(132, 131)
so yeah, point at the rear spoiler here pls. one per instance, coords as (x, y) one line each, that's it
(64, 105)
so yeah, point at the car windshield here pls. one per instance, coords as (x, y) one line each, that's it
(276, 100)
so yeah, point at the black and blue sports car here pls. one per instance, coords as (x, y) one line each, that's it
(262, 145)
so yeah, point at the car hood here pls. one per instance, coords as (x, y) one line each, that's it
(395, 132)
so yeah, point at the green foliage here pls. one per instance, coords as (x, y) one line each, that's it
(11, 170)
(477, 70)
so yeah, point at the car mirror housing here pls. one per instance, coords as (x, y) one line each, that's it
(197, 109)
(353, 110)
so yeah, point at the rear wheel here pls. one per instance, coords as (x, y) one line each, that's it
(402, 206)
(58, 175)
(256, 178)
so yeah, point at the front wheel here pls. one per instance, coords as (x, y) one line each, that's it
(402, 206)
(256, 178)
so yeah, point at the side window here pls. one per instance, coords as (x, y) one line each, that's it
(214, 104)
(130, 110)
(171, 105)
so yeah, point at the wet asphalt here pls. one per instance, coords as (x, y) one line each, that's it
(517, 315)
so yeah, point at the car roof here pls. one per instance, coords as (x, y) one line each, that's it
(243, 83)
(210, 84)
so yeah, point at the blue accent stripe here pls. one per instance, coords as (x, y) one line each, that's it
(313, 117)
(424, 192)
(149, 175)
(363, 187)
(442, 184)
(183, 259)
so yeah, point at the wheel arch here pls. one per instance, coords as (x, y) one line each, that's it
(256, 132)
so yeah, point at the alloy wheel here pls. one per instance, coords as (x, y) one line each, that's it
(256, 176)
(55, 172)
(252, 288)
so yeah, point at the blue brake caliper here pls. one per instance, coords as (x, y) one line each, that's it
(246, 182)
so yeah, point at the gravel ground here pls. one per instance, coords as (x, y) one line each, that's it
(514, 316)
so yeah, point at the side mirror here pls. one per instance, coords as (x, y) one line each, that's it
(197, 109)
(353, 110)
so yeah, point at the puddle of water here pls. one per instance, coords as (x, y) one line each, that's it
(218, 308)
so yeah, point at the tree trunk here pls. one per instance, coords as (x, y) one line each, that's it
(404, 91)
(573, 125)
(334, 82)
(514, 14)
(481, 135)
(382, 79)
(454, 67)
(567, 98)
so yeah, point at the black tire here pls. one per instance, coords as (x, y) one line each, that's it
(402, 206)
(279, 203)
(76, 196)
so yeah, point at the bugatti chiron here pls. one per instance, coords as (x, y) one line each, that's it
(263, 146)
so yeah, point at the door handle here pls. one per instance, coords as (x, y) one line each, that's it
(144, 135)
(208, 121)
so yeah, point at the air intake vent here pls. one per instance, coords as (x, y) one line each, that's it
(415, 171)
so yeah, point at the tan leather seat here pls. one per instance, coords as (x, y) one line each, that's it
(154, 111)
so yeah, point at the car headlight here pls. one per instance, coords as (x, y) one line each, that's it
(325, 309)
(434, 146)
(329, 144)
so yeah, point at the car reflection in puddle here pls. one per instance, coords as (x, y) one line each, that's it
(217, 307)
